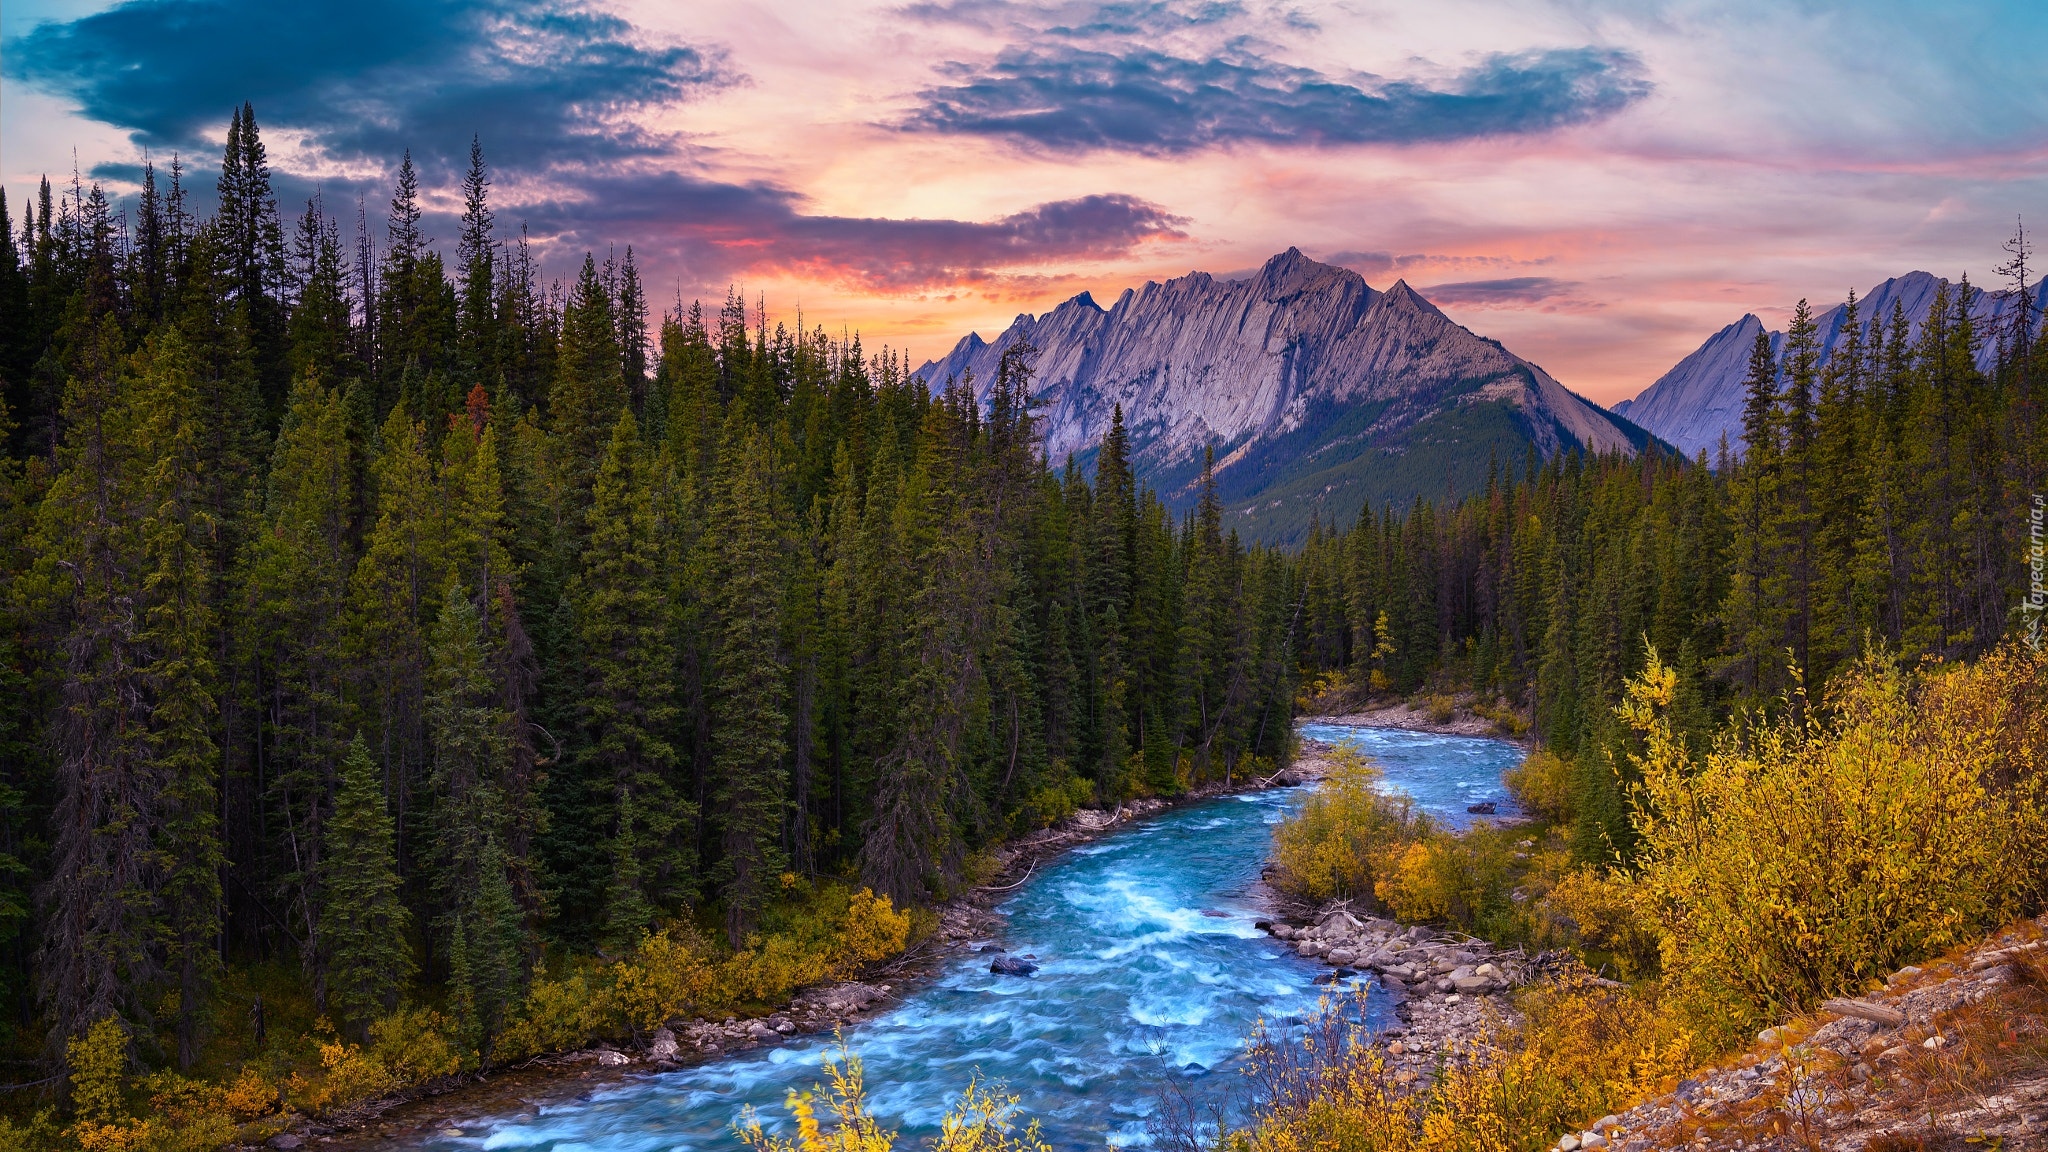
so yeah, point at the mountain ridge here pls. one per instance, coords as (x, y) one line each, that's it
(1700, 398)
(1317, 391)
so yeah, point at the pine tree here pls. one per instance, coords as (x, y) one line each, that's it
(319, 332)
(295, 580)
(476, 254)
(363, 922)
(1751, 614)
(627, 702)
(488, 953)
(177, 636)
(589, 389)
(99, 908)
(750, 692)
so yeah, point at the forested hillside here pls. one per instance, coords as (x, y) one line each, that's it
(403, 620)
(1889, 506)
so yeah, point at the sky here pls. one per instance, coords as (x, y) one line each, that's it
(1599, 184)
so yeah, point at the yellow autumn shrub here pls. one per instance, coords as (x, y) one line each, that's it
(1541, 784)
(1443, 877)
(1605, 913)
(1804, 859)
(1340, 841)
(824, 933)
(984, 1118)
(349, 1075)
(409, 1047)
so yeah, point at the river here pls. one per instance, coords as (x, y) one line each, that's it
(1151, 972)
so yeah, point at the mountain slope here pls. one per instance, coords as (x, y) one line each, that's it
(1700, 398)
(1318, 392)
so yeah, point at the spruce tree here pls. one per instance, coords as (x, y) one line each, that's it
(589, 389)
(363, 922)
(295, 581)
(100, 914)
(750, 691)
(627, 703)
(476, 257)
(178, 635)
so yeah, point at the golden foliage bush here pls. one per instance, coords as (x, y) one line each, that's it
(984, 1119)
(182, 1114)
(676, 973)
(1337, 845)
(1810, 857)
(1542, 785)
(1606, 1048)
(1441, 707)
(1461, 879)
(1604, 913)
(1583, 1050)
(1506, 720)
(409, 1047)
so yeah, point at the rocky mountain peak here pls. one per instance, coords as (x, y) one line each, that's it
(1299, 376)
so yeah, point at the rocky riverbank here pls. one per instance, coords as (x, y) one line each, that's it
(1448, 990)
(1399, 714)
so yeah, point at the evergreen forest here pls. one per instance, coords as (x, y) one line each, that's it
(409, 623)
(385, 626)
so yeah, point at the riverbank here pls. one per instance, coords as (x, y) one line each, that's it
(1461, 721)
(965, 923)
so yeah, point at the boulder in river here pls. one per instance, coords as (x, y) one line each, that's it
(1007, 965)
(663, 1046)
(1483, 808)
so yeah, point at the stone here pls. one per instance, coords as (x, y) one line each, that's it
(1769, 1035)
(1471, 983)
(611, 1059)
(1007, 965)
(1342, 956)
(1592, 1140)
(663, 1046)
(286, 1141)
(1488, 970)
(1567, 1143)
(1606, 1122)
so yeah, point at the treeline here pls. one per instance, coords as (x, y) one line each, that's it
(411, 620)
(1882, 500)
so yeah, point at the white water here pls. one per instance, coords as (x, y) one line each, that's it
(1151, 972)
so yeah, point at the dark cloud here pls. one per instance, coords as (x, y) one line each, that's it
(1509, 291)
(716, 230)
(546, 83)
(1147, 100)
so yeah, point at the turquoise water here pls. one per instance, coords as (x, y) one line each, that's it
(1151, 973)
(1443, 773)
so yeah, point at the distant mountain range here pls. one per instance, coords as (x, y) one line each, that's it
(1318, 392)
(1700, 398)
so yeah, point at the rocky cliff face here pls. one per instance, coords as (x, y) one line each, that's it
(1318, 392)
(1700, 398)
